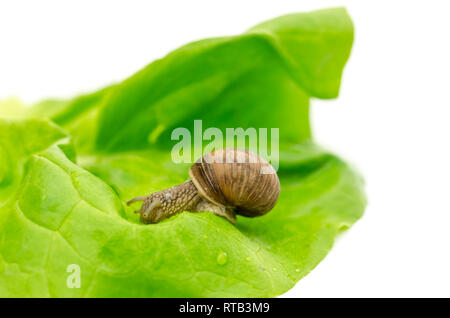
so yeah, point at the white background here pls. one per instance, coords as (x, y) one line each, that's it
(391, 119)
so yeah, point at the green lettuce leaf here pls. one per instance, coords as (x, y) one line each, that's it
(58, 208)
(261, 78)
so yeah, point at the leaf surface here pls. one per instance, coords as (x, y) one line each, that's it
(68, 166)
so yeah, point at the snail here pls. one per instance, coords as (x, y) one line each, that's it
(224, 182)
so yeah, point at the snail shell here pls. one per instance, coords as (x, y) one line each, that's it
(237, 179)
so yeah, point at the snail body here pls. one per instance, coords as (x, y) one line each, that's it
(224, 182)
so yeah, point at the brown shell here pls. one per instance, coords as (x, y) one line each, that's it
(237, 178)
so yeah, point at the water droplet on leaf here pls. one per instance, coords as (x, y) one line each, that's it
(222, 258)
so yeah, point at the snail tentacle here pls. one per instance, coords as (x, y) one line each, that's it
(142, 198)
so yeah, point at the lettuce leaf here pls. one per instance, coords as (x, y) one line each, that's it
(68, 166)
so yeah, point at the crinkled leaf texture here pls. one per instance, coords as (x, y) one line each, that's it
(58, 208)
